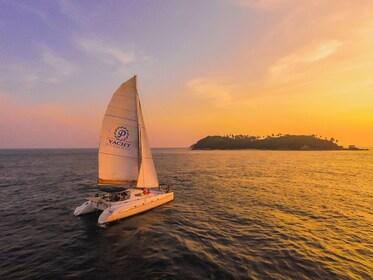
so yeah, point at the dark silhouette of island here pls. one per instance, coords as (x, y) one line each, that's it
(270, 142)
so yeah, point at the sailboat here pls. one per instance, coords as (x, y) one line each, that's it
(126, 172)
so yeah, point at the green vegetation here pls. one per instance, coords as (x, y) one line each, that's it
(270, 142)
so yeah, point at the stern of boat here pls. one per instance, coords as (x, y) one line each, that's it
(85, 208)
(134, 206)
(91, 205)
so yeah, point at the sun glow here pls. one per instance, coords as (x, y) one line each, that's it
(240, 67)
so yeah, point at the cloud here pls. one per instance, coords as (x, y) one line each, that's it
(25, 76)
(43, 125)
(82, 14)
(303, 57)
(28, 9)
(106, 53)
(18, 77)
(3, 98)
(61, 67)
(68, 9)
(262, 4)
(212, 89)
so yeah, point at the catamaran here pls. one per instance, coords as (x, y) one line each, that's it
(126, 172)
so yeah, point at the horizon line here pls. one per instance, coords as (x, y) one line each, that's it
(72, 148)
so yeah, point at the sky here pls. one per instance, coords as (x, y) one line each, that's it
(207, 67)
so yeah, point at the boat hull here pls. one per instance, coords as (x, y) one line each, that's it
(115, 213)
(89, 207)
(86, 208)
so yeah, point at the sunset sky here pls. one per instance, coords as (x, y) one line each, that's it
(205, 68)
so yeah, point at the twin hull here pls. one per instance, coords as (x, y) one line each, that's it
(113, 211)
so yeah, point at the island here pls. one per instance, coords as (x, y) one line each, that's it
(270, 142)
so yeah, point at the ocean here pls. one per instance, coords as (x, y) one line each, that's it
(245, 214)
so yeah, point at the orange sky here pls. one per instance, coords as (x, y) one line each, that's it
(310, 72)
(236, 66)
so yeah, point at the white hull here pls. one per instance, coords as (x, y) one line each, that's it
(113, 211)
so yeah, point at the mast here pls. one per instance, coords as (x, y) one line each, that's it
(138, 122)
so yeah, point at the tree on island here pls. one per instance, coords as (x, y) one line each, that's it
(270, 142)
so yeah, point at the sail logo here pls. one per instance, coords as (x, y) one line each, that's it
(120, 134)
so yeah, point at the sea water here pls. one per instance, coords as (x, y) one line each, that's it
(236, 215)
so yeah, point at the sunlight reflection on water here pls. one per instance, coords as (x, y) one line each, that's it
(236, 214)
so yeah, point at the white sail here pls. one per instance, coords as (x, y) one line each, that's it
(119, 141)
(147, 174)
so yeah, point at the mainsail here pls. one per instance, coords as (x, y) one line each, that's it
(124, 153)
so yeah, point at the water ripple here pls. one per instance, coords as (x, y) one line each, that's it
(236, 215)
